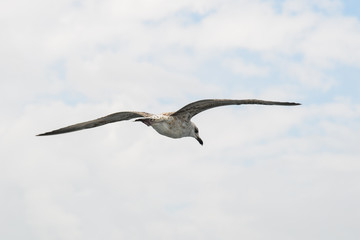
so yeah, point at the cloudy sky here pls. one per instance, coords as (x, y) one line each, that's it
(264, 172)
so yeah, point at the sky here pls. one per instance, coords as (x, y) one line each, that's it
(264, 172)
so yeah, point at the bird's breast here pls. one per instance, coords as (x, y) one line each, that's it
(171, 127)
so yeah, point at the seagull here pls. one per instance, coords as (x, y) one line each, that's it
(171, 124)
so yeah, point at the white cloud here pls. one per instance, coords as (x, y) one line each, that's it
(247, 69)
(335, 40)
(263, 171)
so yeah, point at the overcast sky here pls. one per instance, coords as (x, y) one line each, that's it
(264, 172)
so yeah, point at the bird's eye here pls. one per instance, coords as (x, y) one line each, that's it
(196, 130)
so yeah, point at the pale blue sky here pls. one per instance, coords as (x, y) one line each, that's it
(351, 8)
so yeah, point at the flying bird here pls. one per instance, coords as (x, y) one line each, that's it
(171, 124)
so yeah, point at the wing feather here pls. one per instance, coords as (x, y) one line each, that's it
(194, 108)
(115, 117)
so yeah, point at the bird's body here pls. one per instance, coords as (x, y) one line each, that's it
(172, 124)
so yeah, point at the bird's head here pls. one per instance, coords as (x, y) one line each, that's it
(195, 133)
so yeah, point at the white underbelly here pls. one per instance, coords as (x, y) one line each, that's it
(173, 130)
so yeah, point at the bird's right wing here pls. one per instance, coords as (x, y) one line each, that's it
(115, 117)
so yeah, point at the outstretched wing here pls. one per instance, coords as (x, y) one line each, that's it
(194, 108)
(115, 117)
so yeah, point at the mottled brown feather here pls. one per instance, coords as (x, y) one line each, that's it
(194, 108)
(115, 117)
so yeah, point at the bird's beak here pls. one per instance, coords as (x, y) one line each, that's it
(199, 140)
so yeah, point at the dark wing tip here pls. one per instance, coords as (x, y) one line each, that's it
(285, 103)
(293, 103)
(59, 131)
(46, 134)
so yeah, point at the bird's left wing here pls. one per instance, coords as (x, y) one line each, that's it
(115, 117)
(194, 108)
